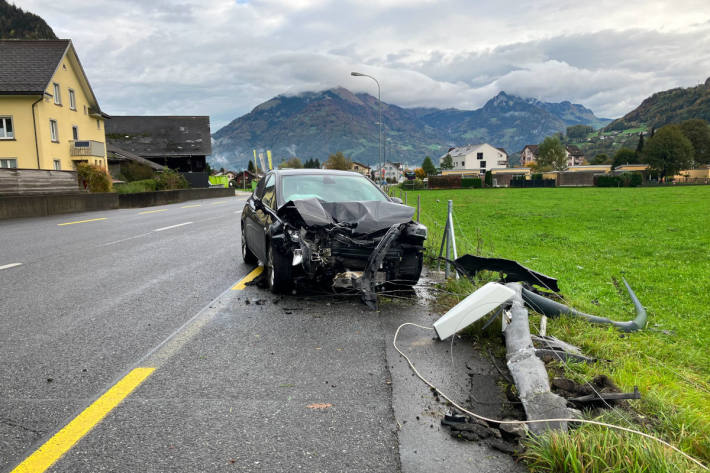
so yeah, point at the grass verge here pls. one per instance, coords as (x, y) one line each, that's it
(589, 238)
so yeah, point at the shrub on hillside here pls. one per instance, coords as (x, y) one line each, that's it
(169, 180)
(93, 178)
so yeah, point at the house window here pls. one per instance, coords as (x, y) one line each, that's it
(53, 131)
(75, 132)
(57, 95)
(72, 100)
(479, 155)
(463, 163)
(7, 131)
(8, 163)
(483, 165)
(57, 165)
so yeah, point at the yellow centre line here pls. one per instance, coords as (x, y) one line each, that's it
(152, 211)
(82, 221)
(61, 442)
(248, 278)
(220, 202)
(190, 206)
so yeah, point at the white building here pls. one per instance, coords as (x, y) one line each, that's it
(393, 171)
(476, 159)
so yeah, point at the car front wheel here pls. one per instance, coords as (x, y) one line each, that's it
(278, 270)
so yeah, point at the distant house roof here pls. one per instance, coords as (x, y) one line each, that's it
(503, 150)
(364, 166)
(154, 136)
(532, 148)
(464, 150)
(574, 151)
(114, 152)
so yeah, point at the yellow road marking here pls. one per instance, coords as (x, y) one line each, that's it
(249, 277)
(82, 221)
(190, 206)
(53, 449)
(220, 202)
(152, 211)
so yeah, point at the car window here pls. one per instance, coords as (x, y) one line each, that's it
(259, 191)
(269, 197)
(329, 188)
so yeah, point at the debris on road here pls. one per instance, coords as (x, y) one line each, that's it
(319, 405)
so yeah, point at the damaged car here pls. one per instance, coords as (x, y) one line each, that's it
(336, 229)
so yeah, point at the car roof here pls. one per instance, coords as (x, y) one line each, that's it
(291, 172)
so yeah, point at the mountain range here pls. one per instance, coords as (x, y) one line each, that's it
(18, 24)
(317, 124)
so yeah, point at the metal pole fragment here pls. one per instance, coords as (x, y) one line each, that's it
(452, 236)
(405, 198)
(419, 204)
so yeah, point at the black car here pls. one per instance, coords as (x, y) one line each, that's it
(334, 228)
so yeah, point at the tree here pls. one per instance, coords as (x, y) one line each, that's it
(668, 151)
(552, 155)
(420, 173)
(579, 131)
(316, 164)
(601, 158)
(292, 163)
(639, 146)
(624, 156)
(698, 132)
(428, 167)
(339, 161)
(250, 167)
(447, 162)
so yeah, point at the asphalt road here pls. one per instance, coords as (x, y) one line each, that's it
(232, 379)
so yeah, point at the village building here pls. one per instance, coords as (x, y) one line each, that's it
(181, 143)
(530, 154)
(475, 159)
(50, 118)
(361, 168)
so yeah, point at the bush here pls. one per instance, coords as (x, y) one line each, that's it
(445, 182)
(412, 185)
(145, 185)
(94, 178)
(626, 179)
(471, 183)
(169, 179)
(133, 171)
(489, 179)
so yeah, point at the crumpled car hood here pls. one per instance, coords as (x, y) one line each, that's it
(368, 217)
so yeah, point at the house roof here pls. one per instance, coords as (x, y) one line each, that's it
(28, 65)
(361, 165)
(533, 148)
(153, 136)
(574, 151)
(503, 151)
(119, 154)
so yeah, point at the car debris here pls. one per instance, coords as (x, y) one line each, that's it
(470, 265)
(335, 229)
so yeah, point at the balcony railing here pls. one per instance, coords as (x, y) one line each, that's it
(87, 148)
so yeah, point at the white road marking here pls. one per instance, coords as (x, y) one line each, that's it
(11, 265)
(125, 239)
(171, 226)
(238, 212)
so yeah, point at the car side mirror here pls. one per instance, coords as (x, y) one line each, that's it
(396, 200)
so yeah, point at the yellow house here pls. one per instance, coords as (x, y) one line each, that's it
(49, 116)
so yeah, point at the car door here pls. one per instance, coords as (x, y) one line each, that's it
(254, 233)
(263, 215)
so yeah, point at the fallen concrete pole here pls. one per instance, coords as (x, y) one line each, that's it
(529, 371)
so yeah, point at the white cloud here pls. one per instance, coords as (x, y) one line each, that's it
(224, 57)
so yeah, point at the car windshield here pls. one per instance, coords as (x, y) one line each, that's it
(329, 188)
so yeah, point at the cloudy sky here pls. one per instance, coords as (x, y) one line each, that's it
(224, 57)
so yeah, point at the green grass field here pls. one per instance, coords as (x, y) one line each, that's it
(658, 239)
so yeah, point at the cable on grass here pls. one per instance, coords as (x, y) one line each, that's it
(533, 421)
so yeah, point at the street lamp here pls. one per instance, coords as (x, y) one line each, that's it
(379, 102)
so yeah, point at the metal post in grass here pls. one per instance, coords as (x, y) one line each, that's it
(405, 198)
(419, 204)
(452, 236)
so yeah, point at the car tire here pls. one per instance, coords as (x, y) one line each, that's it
(278, 270)
(247, 255)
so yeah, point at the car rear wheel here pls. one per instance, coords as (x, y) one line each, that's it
(278, 270)
(247, 255)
